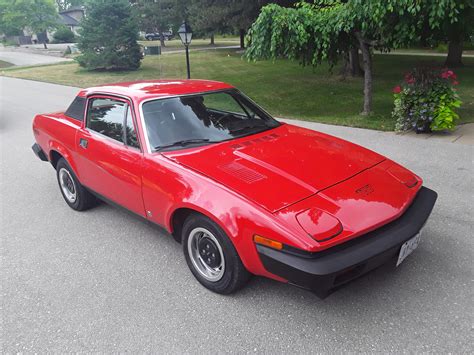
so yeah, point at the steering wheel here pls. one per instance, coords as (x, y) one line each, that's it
(218, 121)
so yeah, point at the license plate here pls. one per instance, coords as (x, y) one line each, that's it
(408, 247)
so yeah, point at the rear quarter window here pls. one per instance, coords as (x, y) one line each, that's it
(76, 109)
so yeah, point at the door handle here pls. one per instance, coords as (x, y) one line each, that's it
(83, 143)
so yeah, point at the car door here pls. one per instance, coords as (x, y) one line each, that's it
(110, 158)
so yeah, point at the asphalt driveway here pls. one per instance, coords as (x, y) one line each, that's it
(105, 281)
(23, 58)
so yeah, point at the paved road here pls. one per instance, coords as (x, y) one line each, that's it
(103, 280)
(24, 58)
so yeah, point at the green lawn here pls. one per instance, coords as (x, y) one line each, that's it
(5, 64)
(284, 88)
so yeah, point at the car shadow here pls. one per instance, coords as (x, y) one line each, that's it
(385, 284)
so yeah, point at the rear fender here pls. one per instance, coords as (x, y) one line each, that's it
(55, 146)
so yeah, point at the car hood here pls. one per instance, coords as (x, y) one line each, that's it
(279, 167)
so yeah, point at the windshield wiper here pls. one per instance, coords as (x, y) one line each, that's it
(184, 143)
(243, 128)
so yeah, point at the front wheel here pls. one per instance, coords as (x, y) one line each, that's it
(211, 256)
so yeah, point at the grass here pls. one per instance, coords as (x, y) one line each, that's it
(5, 64)
(284, 88)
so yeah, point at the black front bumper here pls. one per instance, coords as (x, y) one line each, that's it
(323, 272)
(39, 152)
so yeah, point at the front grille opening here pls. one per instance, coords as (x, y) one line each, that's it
(348, 274)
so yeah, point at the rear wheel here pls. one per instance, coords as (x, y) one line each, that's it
(211, 256)
(75, 195)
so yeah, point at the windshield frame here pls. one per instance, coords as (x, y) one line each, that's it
(152, 150)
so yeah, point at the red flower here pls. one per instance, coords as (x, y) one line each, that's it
(397, 89)
(448, 74)
(409, 79)
(455, 82)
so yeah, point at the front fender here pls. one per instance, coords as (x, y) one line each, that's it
(240, 221)
(168, 187)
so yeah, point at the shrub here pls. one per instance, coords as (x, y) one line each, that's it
(109, 37)
(426, 100)
(64, 35)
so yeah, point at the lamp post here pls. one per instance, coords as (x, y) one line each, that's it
(186, 34)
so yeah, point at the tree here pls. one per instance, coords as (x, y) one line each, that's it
(242, 13)
(208, 17)
(38, 15)
(327, 30)
(157, 15)
(455, 27)
(67, 4)
(109, 37)
(11, 19)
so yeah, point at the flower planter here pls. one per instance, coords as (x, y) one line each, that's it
(426, 101)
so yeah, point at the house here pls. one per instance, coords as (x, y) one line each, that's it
(71, 18)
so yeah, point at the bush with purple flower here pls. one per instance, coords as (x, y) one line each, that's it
(426, 100)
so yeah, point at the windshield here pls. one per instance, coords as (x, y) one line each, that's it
(205, 118)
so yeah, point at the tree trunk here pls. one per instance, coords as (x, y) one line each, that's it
(454, 58)
(45, 45)
(212, 39)
(162, 40)
(354, 62)
(351, 64)
(367, 59)
(242, 38)
(346, 67)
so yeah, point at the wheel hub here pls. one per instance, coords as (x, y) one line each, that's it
(205, 254)
(69, 184)
(209, 252)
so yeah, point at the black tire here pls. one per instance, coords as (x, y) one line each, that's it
(83, 198)
(234, 276)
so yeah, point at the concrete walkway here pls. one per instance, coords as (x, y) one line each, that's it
(422, 54)
(198, 49)
(463, 134)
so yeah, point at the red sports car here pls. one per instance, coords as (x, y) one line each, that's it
(243, 193)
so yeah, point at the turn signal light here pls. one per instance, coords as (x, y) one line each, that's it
(403, 175)
(267, 242)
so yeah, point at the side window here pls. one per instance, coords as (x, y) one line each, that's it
(131, 134)
(106, 116)
(76, 109)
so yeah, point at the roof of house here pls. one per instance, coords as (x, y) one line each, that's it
(67, 20)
